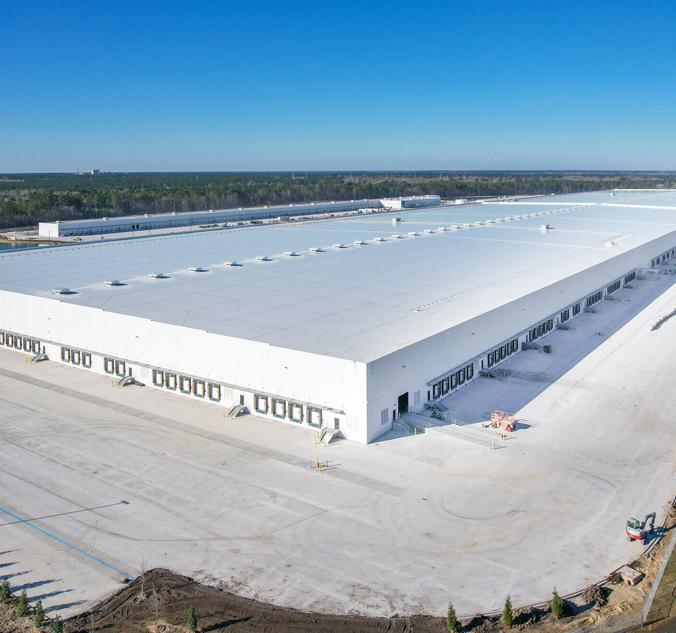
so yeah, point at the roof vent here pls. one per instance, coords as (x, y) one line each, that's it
(196, 269)
(60, 291)
(112, 282)
(156, 275)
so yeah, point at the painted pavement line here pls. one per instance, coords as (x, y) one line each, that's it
(39, 529)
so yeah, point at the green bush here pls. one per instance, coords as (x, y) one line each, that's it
(22, 607)
(508, 613)
(192, 619)
(39, 617)
(5, 591)
(452, 619)
(57, 625)
(557, 605)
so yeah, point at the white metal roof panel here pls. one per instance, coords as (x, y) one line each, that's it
(356, 302)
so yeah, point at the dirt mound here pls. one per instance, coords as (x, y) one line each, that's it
(594, 595)
(161, 599)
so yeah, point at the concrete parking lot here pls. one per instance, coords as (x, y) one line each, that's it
(98, 483)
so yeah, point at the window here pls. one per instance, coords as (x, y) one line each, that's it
(454, 381)
(65, 354)
(108, 365)
(444, 386)
(461, 376)
(515, 345)
(170, 381)
(120, 367)
(36, 347)
(384, 415)
(184, 384)
(86, 360)
(436, 390)
(27, 345)
(214, 392)
(490, 359)
(198, 388)
(158, 378)
(75, 356)
(469, 371)
(18, 342)
(9, 340)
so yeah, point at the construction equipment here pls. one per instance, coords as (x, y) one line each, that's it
(503, 420)
(637, 531)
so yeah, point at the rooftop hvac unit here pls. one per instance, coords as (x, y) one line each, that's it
(315, 249)
(156, 275)
(428, 231)
(338, 246)
(547, 349)
(290, 253)
(60, 291)
(396, 237)
(196, 269)
(378, 239)
(359, 243)
(112, 282)
(262, 258)
(442, 229)
(395, 220)
(231, 263)
(544, 227)
(413, 234)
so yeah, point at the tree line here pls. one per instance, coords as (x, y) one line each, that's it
(26, 199)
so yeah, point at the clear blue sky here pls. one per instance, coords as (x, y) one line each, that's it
(141, 85)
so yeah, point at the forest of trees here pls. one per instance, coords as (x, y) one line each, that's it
(26, 199)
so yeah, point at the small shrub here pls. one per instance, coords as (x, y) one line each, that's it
(22, 607)
(452, 619)
(5, 591)
(192, 619)
(39, 617)
(557, 605)
(57, 625)
(508, 613)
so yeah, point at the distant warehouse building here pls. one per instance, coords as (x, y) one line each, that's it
(334, 323)
(127, 223)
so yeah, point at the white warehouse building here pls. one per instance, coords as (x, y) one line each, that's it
(148, 222)
(336, 322)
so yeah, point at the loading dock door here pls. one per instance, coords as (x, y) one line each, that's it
(402, 404)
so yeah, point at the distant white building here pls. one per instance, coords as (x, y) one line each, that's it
(337, 323)
(195, 218)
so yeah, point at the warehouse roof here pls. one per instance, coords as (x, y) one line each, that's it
(358, 302)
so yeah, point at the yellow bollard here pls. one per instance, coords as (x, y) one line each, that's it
(415, 430)
(492, 446)
(231, 416)
(400, 415)
(324, 443)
